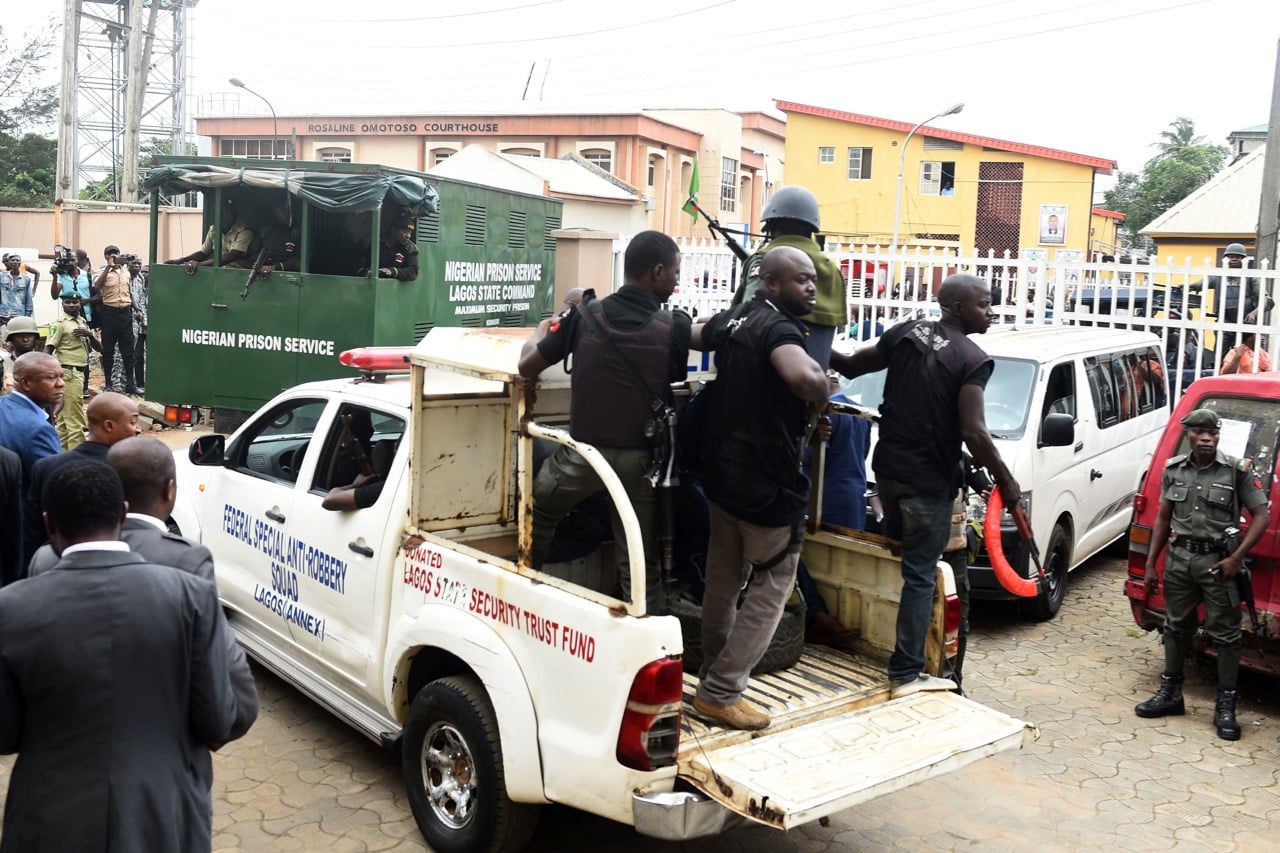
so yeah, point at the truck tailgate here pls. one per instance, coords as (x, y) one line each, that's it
(836, 740)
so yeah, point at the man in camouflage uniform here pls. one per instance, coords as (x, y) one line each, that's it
(1200, 499)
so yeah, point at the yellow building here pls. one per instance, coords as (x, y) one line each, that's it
(1104, 233)
(958, 191)
(1225, 210)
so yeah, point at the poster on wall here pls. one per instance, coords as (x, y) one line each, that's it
(1053, 224)
(1069, 273)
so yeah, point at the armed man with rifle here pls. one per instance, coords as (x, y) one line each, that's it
(624, 351)
(752, 443)
(363, 491)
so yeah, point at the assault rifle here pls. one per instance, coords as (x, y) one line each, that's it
(715, 228)
(349, 444)
(254, 272)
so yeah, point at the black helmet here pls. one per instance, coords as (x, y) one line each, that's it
(793, 203)
(1235, 249)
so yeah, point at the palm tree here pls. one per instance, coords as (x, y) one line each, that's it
(1180, 135)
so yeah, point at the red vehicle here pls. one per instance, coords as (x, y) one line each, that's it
(1249, 406)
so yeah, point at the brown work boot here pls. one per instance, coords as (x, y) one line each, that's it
(739, 715)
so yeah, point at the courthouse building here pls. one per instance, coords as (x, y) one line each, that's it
(740, 155)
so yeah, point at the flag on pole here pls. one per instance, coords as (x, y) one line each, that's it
(694, 186)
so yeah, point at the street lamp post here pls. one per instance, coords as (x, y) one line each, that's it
(902, 162)
(275, 127)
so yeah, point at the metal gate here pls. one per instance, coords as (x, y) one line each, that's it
(997, 226)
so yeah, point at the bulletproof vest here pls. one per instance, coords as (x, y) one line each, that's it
(607, 407)
(742, 389)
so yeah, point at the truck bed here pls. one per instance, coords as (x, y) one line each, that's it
(837, 740)
(823, 682)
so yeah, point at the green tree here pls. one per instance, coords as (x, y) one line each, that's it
(1183, 165)
(27, 169)
(28, 160)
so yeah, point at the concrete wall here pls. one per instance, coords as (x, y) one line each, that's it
(181, 231)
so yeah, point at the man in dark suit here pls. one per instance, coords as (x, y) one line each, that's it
(10, 516)
(112, 417)
(115, 682)
(146, 470)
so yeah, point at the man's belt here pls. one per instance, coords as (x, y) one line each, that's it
(73, 366)
(1199, 546)
(121, 305)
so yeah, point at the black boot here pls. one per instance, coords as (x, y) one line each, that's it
(1168, 699)
(1224, 714)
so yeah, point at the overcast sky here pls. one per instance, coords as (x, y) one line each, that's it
(1099, 77)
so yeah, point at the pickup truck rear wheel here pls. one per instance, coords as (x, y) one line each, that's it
(452, 765)
(1057, 560)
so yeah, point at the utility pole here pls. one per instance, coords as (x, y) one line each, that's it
(1269, 206)
(64, 182)
(140, 37)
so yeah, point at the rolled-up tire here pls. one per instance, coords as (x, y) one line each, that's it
(784, 649)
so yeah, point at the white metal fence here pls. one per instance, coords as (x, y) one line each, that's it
(1197, 310)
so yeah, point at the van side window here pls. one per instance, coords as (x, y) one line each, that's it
(1126, 384)
(1060, 396)
(1102, 388)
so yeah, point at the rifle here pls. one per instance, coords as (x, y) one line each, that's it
(254, 272)
(351, 445)
(714, 226)
(1244, 585)
(855, 411)
(1021, 521)
(664, 477)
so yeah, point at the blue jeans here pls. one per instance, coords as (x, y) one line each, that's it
(922, 523)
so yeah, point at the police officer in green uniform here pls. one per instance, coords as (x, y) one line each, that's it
(281, 238)
(1200, 499)
(791, 219)
(397, 251)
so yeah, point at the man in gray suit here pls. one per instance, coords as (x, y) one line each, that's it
(146, 470)
(115, 680)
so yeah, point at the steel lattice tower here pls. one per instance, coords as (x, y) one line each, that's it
(100, 82)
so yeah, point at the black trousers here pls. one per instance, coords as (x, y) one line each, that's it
(140, 360)
(117, 336)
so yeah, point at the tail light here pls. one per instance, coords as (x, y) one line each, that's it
(1139, 502)
(179, 415)
(650, 731)
(952, 612)
(1139, 539)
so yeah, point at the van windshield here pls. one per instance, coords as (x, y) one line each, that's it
(1249, 431)
(1007, 396)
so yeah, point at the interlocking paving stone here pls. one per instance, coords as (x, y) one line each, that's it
(1098, 777)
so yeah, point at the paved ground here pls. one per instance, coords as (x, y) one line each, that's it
(1098, 777)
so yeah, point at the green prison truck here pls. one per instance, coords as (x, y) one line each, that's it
(221, 337)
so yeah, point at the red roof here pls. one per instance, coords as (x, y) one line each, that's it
(1098, 164)
(1110, 214)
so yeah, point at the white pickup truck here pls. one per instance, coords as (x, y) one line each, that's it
(419, 621)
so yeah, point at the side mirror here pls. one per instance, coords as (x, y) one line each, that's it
(1058, 430)
(207, 450)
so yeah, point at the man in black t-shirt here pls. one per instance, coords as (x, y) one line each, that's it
(933, 402)
(751, 451)
(627, 339)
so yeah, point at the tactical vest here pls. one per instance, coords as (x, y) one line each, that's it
(606, 406)
(755, 427)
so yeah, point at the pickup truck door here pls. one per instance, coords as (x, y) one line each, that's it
(343, 552)
(836, 741)
(250, 500)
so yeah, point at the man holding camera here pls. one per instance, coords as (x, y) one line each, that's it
(115, 319)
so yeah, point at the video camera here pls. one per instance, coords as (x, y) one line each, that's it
(64, 261)
(125, 260)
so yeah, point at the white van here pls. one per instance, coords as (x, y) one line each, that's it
(1080, 492)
